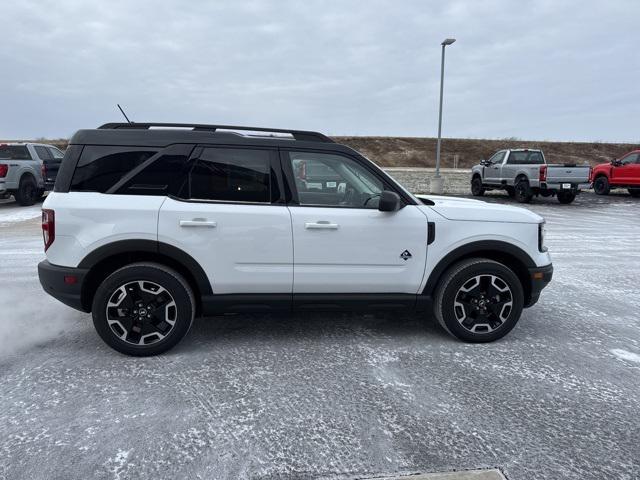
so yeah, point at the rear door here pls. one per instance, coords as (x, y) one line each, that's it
(342, 242)
(231, 218)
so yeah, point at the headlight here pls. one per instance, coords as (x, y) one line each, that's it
(542, 233)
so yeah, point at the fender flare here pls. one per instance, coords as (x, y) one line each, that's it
(479, 248)
(150, 246)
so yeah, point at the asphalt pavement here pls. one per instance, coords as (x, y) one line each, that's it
(335, 395)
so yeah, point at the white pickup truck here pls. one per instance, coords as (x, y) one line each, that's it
(152, 224)
(524, 172)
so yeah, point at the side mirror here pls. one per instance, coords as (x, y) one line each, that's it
(389, 201)
(616, 163)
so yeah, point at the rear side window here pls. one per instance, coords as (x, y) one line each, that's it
(100, 168)
(14, 152)
(57, 154)
(231, 175)
(43, 153)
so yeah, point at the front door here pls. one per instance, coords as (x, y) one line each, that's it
(493, 172)
(342, 242)
(229, 219)
(629, 172)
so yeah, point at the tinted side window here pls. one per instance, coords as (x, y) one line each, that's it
(633, 158)
(497, 158)
(167, 175)
(99, 168)
(57, 154)
(232, 175)
(43, 153)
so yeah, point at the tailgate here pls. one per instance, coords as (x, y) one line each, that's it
(560, 173)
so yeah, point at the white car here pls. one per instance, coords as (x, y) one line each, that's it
(148, 227)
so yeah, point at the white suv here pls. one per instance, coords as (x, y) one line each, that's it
(150, 225)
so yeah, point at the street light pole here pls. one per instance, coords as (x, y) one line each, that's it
(438, 182)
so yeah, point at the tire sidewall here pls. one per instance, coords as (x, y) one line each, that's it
(169, 280)
(27, 184)
(476, 187)
(519, 196)
(446, 304)
(601, 186)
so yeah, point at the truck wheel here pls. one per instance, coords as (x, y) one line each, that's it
(143, 309)
(511, 192)
(476, 187)
(566, 197)
(634, 192)
(27, 193)
(601, 186)
(523, 191)
(479, 300)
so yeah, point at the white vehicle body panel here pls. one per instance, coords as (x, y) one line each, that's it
(358, 250)
(243, 248)
(86, 221)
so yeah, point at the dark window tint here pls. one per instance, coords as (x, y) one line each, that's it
(632, 158)
(525, 158)
(43, 153)
(165, 176)
(100, 168)
(230, 174)
(14, 152)
(497, 158)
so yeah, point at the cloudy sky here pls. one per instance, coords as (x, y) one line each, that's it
(549, 69)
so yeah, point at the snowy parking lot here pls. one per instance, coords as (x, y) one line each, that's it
(335, 395)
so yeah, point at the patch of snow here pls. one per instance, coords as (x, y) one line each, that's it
(626, 355)
(19, 214)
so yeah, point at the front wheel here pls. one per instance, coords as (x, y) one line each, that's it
(634, 192)
(601, 186)
(476, 187)
(143, 309)
(566, 197)
(479, 300)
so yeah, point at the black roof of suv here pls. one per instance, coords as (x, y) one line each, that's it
(163, 134)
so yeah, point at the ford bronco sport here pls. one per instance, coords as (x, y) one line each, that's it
(150, 225)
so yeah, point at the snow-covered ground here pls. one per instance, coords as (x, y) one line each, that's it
(335, 395)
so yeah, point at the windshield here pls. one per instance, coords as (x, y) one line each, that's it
(14, 152)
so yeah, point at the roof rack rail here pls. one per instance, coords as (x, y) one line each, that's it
(301, 135)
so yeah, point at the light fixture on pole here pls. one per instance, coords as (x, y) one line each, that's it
(437, 183)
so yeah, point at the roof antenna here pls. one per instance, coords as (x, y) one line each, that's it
(124, 114)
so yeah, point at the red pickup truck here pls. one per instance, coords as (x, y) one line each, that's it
(621, 173)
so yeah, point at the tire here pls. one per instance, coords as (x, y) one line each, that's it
(523, 191)
(566, 197)
(476, 187)
(27, 193)
(634, 192)
(601, 186)
(150, 332)
(511, 192)
(473, 323)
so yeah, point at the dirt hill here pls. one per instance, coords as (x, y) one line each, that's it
(421, 152)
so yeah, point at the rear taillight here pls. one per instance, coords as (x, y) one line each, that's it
(43, 171)
(590, 174)
(48, 227)
(543, 173)
(3, 170)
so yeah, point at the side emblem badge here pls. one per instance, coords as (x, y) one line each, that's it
(406, 255)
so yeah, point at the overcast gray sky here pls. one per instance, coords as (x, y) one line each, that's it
(549, 69)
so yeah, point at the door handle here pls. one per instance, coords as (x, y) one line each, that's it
(198, 223)
(321, 225)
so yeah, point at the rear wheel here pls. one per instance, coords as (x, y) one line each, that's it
(479, 300)
(523, 191)
(601, 186)
(27, 193)
(143, 309)
(566, 197)
(634, 192)
(476, 187)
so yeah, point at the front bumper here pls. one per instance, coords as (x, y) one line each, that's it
(539, 278)
(63, 283)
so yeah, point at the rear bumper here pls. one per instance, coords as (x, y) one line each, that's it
(63, 283)
(575, 187)
(539, 278)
